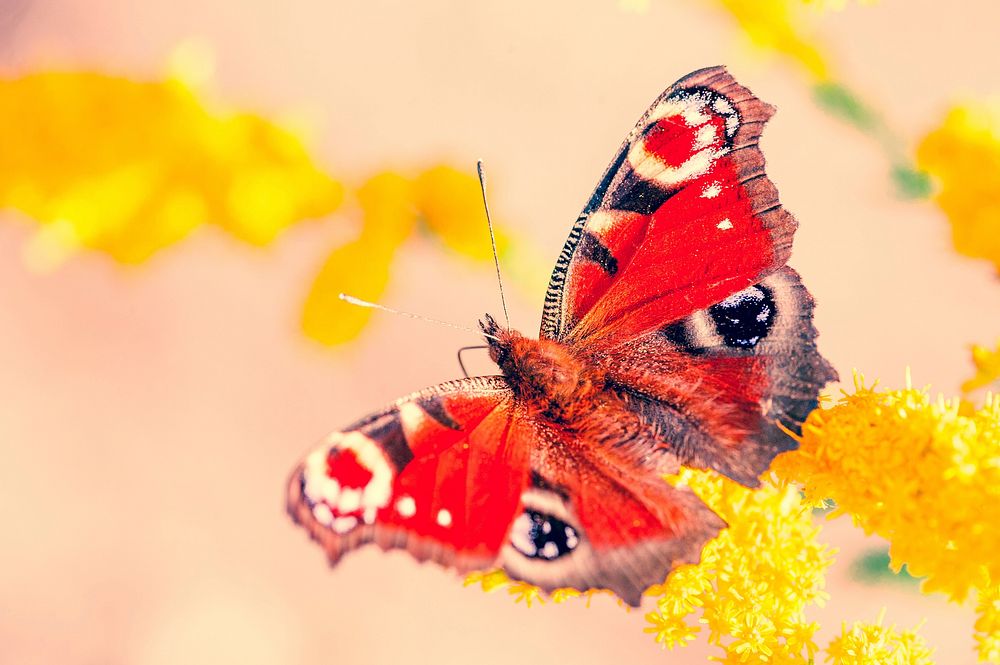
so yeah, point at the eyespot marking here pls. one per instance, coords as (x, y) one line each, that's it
(538, 535)
(744, 318)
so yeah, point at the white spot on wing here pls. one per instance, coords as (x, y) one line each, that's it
(520, 536)
(722, 106)
(444, 518)
(323, 514)
(345, 524)
(406, 506)
(705, 136)
(711, 190)
(724, 224)
(600, 222)
(411, 417)
(350, 500)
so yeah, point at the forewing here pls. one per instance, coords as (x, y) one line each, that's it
(722, 387)
(683, 218)
(440, 474)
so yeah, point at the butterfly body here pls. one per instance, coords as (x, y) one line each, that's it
(552, 378)
(672, 334)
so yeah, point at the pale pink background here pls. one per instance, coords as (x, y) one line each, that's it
(148, 417)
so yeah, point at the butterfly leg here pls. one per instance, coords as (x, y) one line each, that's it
(468, 348)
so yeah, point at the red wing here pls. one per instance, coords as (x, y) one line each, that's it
(719, 387)
(464, 475)
(592, 518)
(683, 218)
(440, 474)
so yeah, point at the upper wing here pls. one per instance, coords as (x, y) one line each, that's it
(683, 218)
(462, 474)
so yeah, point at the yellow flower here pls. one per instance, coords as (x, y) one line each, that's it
(361, 267)
(988, 624)
(777, 25)
(918, 472)
(128, 167)
(987, 363)
(752, 584)
(875, 644)
(444, 201)
(963, 155)
(754, 581)
(835, 4)
(451, 205)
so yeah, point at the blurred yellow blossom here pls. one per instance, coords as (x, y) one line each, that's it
(778, 25)
(128, 167)
(875, 644)
(836, 4)
(963, 155)
(916, 471)
(444, 201)
(361, 267)
(987, 363)
(451, 205)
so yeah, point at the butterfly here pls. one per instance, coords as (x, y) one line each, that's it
(672, 334)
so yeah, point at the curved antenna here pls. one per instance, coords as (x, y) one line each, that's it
(371, 305)
(493, 240)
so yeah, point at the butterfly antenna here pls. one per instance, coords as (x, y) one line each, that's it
(351, 300)
(493, 240)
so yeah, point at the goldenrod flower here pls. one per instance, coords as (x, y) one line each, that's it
(987, 363)
(917, 472)
(777, 25)
(988, 624)
(963, 155)
(752, 584)
(754, 581)
(128, 167)
(442, 200)
(875, 644)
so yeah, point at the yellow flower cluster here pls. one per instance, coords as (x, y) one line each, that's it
(988, 623)
(835, 4)
(128, 167)
(987, 364)
(753, 582)
(963, 155)
(866, 643)
(919, 473)
(751, 586)
(777, 25)
(446, 202)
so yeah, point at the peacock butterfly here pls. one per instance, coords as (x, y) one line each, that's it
(672, 334)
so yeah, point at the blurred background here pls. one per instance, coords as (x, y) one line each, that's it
(169, 341)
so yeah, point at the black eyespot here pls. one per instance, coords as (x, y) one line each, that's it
(744, 318)
(540, 536)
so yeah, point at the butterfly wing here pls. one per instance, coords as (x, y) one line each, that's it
(673, 278)
(592, 519)
(439, 474)
(467, 476)
(683, 218)
(722, 387)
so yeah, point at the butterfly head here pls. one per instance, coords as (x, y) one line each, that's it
(543, 371)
